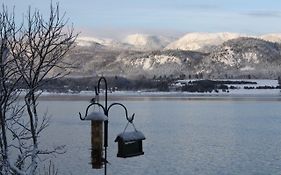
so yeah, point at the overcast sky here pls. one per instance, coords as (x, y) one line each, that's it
(109, 18)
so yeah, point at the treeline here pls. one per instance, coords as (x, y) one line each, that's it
(161, 83)
(71, 84)
(211, 85)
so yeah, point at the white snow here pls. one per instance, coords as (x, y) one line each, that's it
(190, 41)
(247, 68)
(88, 41)
(147, 64)
(108, 42)
(96, 116)
(130, 136)
(162, 59)
(251, 57)
(147, 42)
(196, 41)
(272, 37)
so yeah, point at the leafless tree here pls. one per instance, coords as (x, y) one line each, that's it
(29, 54)
(41, 50)
(9, 78)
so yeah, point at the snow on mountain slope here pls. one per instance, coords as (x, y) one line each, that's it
(243, 56)
(105, 42)
(197, 41)
(150, 63)
(147, 42)
(239, 57)
(192, 41)
(88, 41)
(131, 42)
(272, 37)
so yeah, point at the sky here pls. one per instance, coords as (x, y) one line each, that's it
(117, 18)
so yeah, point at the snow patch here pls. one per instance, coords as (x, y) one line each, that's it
(251, 57)
(147, 64)
(247, 68)
(163, 59)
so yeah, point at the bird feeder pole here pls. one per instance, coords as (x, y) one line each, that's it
(98, 117)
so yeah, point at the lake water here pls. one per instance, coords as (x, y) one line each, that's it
(183, 136)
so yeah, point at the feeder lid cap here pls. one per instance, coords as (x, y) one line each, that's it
(96, 116)
(130, 136)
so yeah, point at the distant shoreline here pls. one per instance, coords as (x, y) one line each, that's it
(123, 95)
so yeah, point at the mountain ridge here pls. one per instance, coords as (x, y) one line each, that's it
(199, 41)
(234, 58)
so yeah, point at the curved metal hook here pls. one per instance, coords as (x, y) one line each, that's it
(81, 116)
(126, 111)
(99, 82)
(92, 104)
(97, 89)
(132, 118)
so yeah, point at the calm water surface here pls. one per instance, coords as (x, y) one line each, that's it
(184, 136)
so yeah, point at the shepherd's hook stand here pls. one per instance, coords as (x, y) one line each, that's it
(106, 109)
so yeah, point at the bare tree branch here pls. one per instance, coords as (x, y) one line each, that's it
(29, 54)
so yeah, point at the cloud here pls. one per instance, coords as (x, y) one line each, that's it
(265, 14)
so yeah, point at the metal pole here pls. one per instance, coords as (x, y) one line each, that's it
(105, 144)
(105, 123)
(105, 165)
(106, 110)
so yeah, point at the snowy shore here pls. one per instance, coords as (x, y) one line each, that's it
(239, 92)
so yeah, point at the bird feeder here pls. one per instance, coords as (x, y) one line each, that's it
(130, 144)
(97, 119)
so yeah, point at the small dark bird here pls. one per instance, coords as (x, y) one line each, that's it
(105, 161)
(93, 100)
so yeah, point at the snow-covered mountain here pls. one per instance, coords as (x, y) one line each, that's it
(140, 42)
(244, 56)
(204, 42)
(200, 41)
(237, 57)
(136, 55)
(147, 42)
(272, 37)
(89, 41)
(105, 43)
(157, 63)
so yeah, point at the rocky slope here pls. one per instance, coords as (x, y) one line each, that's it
(238, 57)
(242, 56)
